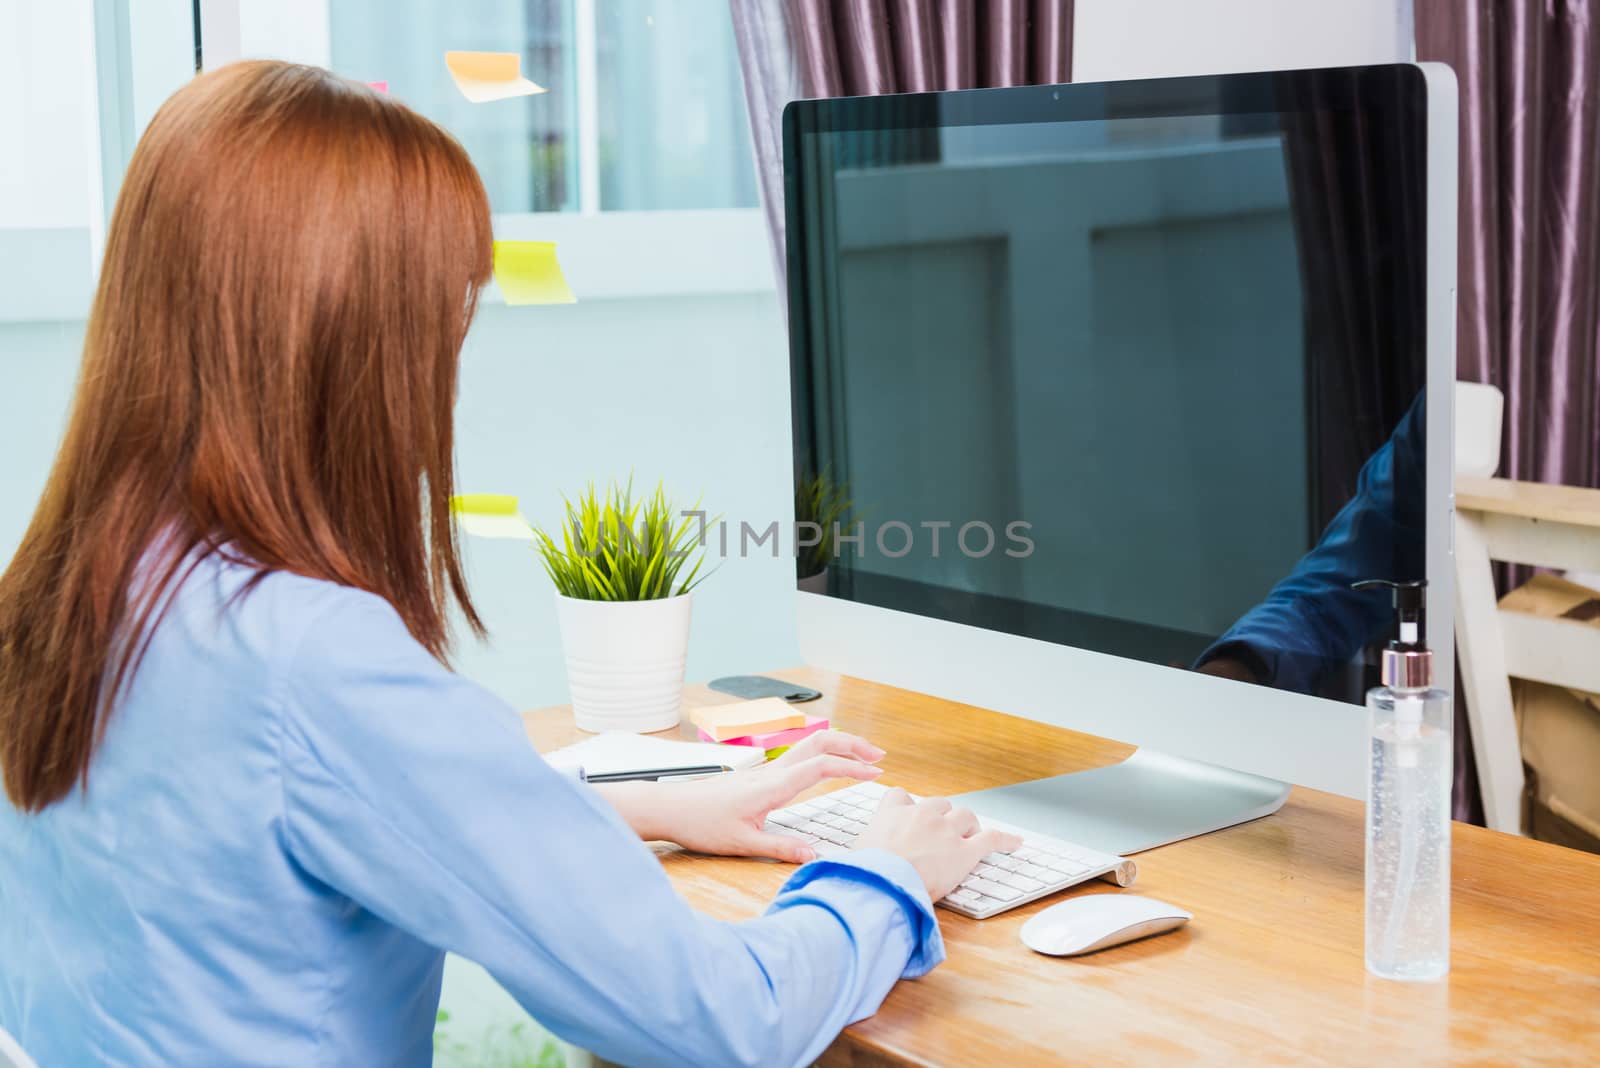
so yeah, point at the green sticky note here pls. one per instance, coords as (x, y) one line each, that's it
(490, 515)
(528, 273)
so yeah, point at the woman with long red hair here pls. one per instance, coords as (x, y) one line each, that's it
(250, 806)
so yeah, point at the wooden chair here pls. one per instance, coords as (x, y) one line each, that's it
(1518, 522)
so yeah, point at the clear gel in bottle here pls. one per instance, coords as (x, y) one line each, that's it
(1408, 805)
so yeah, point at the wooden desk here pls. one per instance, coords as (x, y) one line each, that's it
(1269, 972)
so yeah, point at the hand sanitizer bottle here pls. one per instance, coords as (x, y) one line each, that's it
(1408, 804)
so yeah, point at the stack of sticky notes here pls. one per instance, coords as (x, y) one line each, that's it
(748, 720)
(775, 742)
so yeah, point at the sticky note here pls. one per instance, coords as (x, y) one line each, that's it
(770, 740)
(742, 718)
(486, 76)
(490, 515)
(528, 273)
(382, 87)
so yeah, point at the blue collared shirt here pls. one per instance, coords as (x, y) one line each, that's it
(295, 811)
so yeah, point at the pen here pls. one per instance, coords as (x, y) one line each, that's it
(656, 773)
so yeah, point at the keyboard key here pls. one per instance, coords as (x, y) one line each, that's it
(1022, 882)
(1025, 853)
(854, 826)
(962, 896)
(1033, 871)
(994, 858)
(1008, 864)
(1066, 867)
(788, 819)
(835, 835)
(813, 827)
(871, 789)
(987, 871)
(790, 832)
(998, 891)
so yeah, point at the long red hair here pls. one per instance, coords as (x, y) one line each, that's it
(269, 371)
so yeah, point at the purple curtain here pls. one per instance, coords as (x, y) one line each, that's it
(1529, 289)
(796, 49)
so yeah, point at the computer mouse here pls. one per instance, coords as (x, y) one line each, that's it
(1099, 921)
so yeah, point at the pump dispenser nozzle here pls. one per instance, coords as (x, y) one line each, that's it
(1407, 662)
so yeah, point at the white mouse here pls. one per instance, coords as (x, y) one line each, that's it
(1099, 921)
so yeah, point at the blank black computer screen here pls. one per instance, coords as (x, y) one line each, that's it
(1136, 367)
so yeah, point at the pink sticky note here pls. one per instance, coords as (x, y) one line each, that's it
(382, 87)
(775, 739)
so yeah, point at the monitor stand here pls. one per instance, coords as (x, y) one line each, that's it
(1148, 800)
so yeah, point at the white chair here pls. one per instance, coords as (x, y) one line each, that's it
(1526, 523)
(11, 1054)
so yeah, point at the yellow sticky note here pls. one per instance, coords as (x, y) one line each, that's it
(528, 273)
(486, 76)
(490, 515)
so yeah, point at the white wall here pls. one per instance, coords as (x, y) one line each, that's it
(1161, 38)
(693, 390)
(49, 157)
(46, 106)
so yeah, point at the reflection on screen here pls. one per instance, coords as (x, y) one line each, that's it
(1115, 383)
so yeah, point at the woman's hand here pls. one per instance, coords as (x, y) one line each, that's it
(725, 814)
(942, 842)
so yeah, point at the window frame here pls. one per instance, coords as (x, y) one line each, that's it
(604, 254)
(129, 68)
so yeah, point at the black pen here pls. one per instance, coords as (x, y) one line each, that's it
(656, 773)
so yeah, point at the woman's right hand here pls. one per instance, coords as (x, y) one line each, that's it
(942, 842)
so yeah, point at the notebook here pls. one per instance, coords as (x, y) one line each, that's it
(616, 751)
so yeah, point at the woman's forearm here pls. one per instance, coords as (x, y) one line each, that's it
(644, 806)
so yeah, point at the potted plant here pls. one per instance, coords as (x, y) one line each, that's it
(822, 505)
(624, 572)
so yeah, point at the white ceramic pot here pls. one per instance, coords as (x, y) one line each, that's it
(625, 661)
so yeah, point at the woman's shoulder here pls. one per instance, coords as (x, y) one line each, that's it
(285, 621)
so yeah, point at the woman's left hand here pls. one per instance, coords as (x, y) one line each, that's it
(726, 814)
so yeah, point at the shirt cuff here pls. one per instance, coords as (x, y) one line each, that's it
(1237, 649)
(894, 875)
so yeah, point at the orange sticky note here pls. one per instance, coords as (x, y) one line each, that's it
(528, 273)
(486, 76)
(747, 717)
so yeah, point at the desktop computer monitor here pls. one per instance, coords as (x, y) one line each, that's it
(1102, 395)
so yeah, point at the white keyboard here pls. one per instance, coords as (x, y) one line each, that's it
(1001, 881)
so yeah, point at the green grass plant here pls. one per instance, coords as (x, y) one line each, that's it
(819, 499)
(615, 547)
